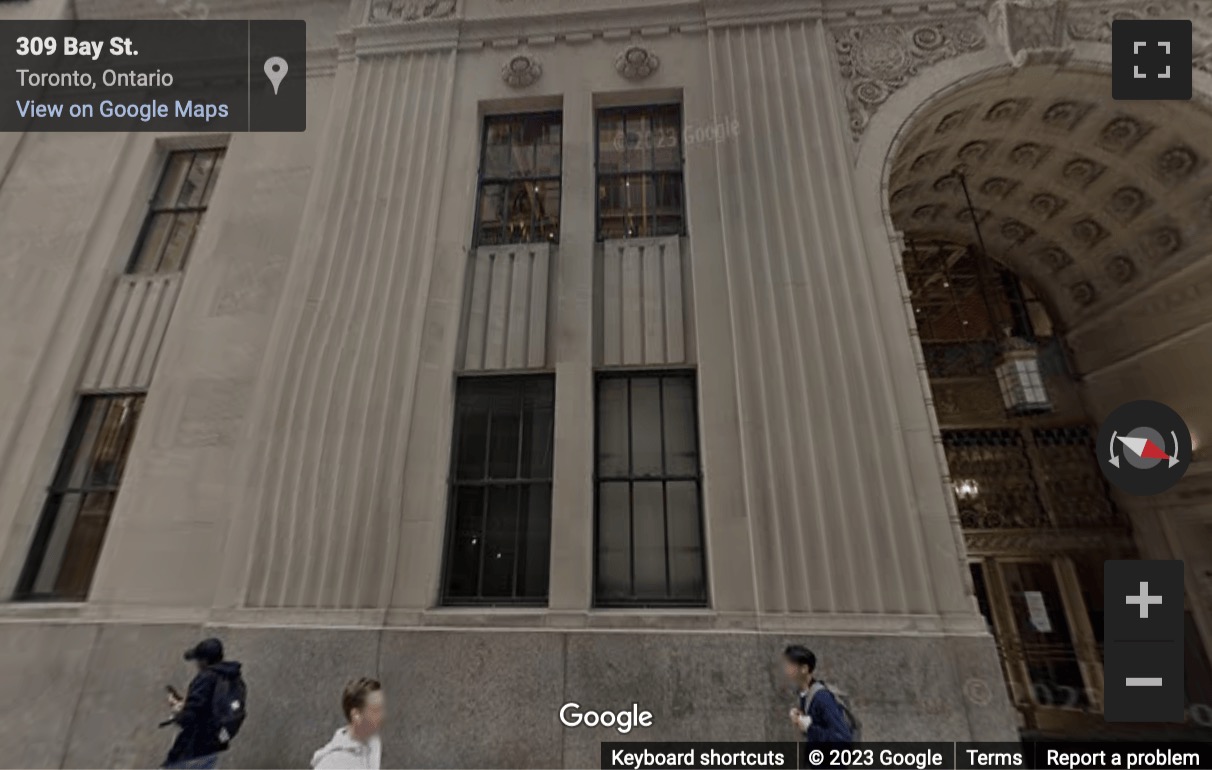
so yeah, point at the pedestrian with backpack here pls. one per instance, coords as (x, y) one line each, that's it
(820, 717)
(211, 712)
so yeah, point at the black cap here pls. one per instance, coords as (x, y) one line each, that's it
(208, 651)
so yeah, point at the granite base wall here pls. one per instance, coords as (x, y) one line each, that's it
(90, 695)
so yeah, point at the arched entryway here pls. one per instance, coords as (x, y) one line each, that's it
(1037, 218)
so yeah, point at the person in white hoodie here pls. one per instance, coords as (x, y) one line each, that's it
(356, 746)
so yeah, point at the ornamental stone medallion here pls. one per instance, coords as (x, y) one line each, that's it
(636, 63)
(522, 70)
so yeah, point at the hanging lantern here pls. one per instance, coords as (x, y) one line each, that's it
(1020, 379)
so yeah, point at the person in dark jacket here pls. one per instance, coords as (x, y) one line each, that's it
(819, 716)
(198, 743)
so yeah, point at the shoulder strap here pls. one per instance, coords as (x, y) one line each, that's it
(816, 687)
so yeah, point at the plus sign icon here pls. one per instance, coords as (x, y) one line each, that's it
(1151, 59)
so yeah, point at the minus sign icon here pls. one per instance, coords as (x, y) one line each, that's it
(1144, 681)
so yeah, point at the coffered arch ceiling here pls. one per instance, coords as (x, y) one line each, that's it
(1089, 199)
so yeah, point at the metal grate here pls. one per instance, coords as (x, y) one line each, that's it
(649, 545)
(499, 531)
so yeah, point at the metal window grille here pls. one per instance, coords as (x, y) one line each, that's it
(181, 200)
(499, 520)
(67, 541)
(640, 162)
(648, 492)
(518, 198)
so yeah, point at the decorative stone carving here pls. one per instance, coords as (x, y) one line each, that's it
(967, 216)
(522, 70)
(1032, 31)
(1089, 232)
(904, 195)
(947, 183)
(1015, 231)
(1162, 242)
(1121, 270)
(636, 63)
(1046, 205)
(1177, 163)
(1081, 172)
(1066, 114)
(1007, 110)
(1056, 258)
(877, 60)
(1029, 154)
(927, 213)
(974, 152)
(386, 11)
(925, 160)
(1083, 293)
(1123, 134)
(998, 187)
(952, 121)
(1127, 203)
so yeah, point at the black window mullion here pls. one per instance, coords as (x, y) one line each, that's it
(484, 503)
(517, 536)
(193, 161)
(652, 143)
(630, 493)
(212, 175)
(518, 486)
(664, 484)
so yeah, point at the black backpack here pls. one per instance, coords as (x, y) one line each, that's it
(843, 700)
(228, 706)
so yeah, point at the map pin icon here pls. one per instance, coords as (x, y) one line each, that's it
(276, 69)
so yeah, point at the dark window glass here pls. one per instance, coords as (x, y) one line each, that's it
(499, 539)
(640, 182)
(649, 523)
(519, 195)
(1043, 634)
(177, 209)
(67, 542)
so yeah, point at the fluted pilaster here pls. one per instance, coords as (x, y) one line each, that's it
(327, 502)
(828, 493)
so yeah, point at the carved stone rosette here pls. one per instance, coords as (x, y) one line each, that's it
(387, 11)
(522, 70)
(877, 60)
(636, 63)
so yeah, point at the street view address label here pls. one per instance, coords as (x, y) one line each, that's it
(163, 76)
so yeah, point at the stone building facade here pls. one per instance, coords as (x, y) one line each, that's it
(571, 356)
